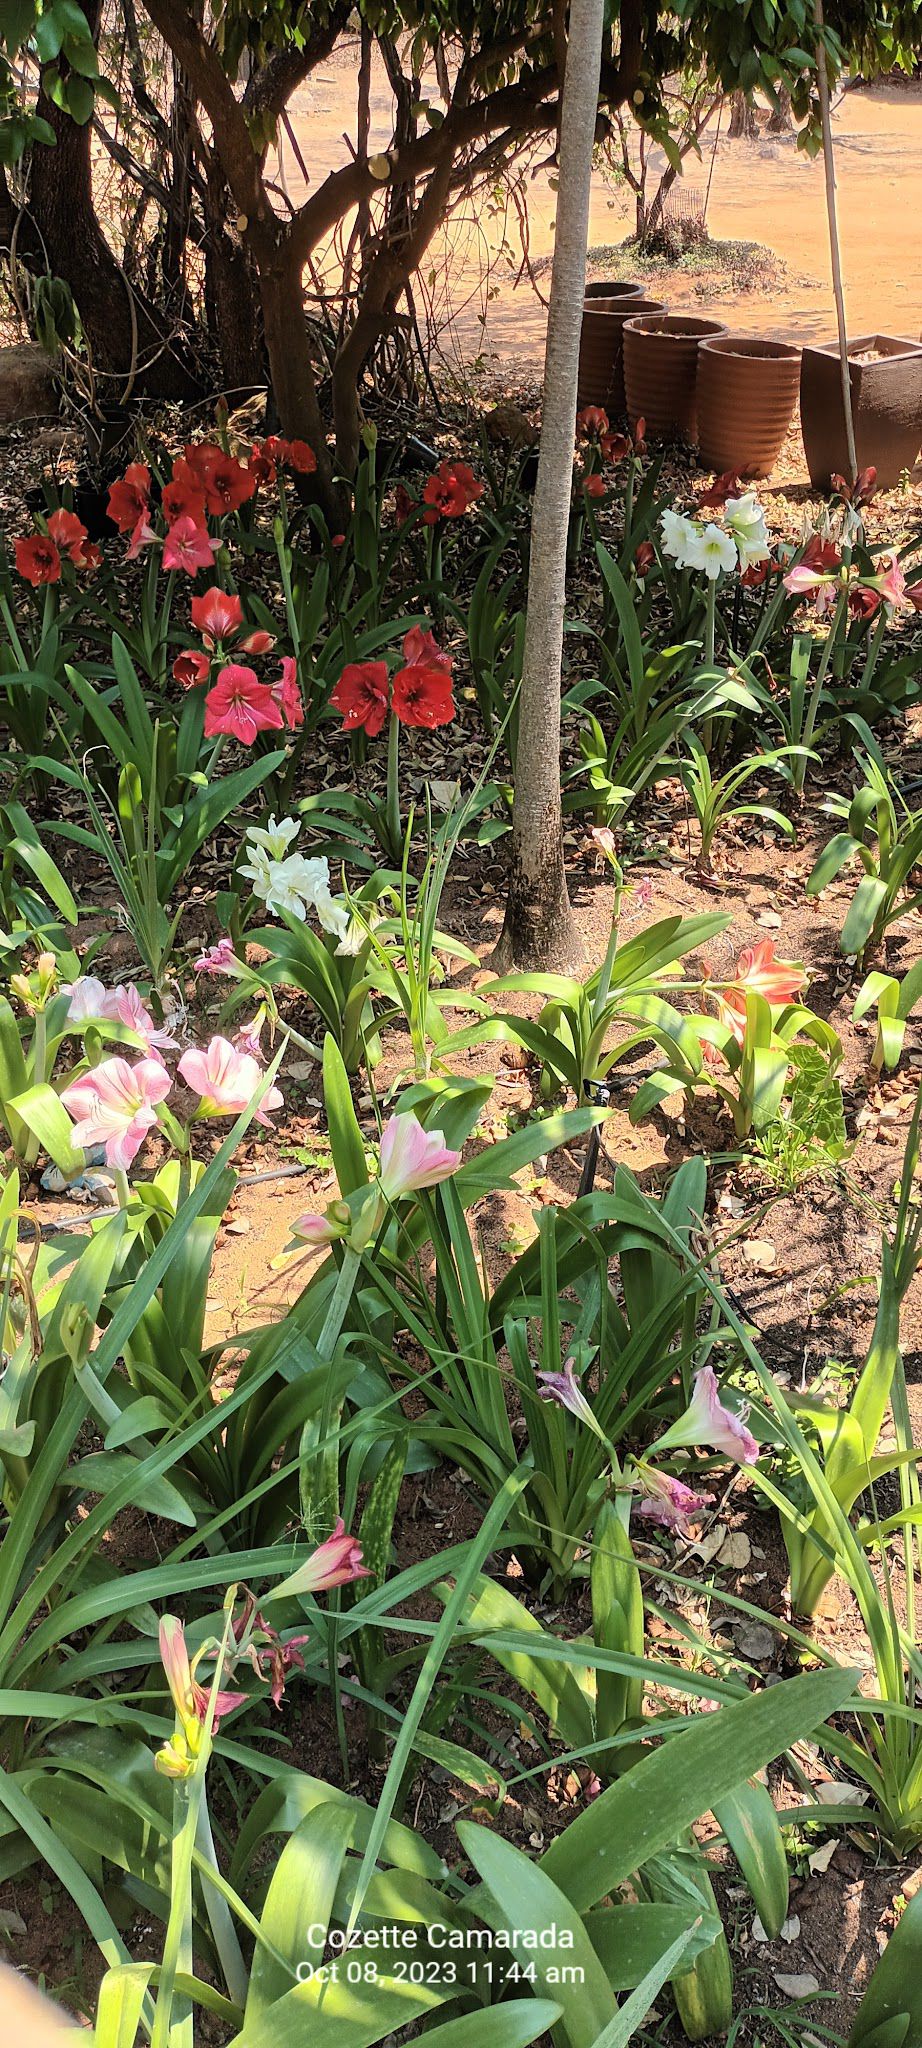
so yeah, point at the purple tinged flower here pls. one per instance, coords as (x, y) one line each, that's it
(563, 1389)
(217, 959)
(708, 1422)
(669, 1501)
(334, 1563)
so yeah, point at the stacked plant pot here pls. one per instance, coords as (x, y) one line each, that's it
(606, 308)
(746, 393)
(885, 379)
(661, 371)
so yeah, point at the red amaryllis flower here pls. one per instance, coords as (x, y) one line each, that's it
(37, 559)
(301, 458)
(859, 493)
(241, 705)
(863, 603)
(189, 546)
(227, 483)
(191, 668)
(361, 695)
(419, 645)
(449, 491)
(69, 535)
(590, 422)
(615, 447)
(913, 594)
(404, 505)
(184, 496)
(644, 557)
(287, 694)
(129, 497)
(756, 574)
(594, 486)
(217, 615)
(639, 436)
(422, 695)
(723, 487)
(261, 465)
(258, 642)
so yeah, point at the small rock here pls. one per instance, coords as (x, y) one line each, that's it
(758, 1252)
(755, 1640)
(796, 1987)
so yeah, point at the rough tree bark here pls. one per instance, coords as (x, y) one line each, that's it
(61, 201)
(743, 123)
(539, 928)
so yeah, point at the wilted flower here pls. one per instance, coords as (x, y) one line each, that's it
(217, 959)
(669, 1501)
(563, 1389)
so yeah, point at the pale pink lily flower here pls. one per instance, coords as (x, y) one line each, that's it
(124, 1005)
(412, 1157)
(669, 1501)
(87, 999)
(707, 1422)
(328, 1227)
(891, 585)
(189, 546)
(142, 536)
(249, 1038)
(115, 1105)
(226, 1080)
(334, 1563)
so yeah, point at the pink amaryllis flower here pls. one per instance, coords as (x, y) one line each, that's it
(217, 959)
(669, 1501)
(421, 645)
(564, 1390)
(87, 999)
(125, 1005)
(708, 1422)
(779, 981)
(287, 694)
(189, 546)
(115, 1105)
(226, 1080)
(324, 1227)
(412, 1157)
(217, 615)
(239, 704)
(335, 1562)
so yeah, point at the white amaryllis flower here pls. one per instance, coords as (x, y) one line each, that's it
(746, 522)
(712, 550)
(296, 885)
(679, 534)
(274, 838)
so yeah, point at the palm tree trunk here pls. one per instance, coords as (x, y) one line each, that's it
(539, 929)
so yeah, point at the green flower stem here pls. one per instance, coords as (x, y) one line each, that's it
(392, 800)
(607, 969)
(326, 1346)
(122, 1187)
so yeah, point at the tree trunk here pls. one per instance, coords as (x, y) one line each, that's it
(61, 201)
(781, 120)
(291, 372)
(743, 123)
(539, 929)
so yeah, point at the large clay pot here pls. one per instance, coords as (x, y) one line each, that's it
(600, 380)
(615, 288)
(886, 408)
(747, 391)
(661, 371)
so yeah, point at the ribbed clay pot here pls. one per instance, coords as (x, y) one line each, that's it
(886, 408)
(661, 371)
(747, 391)
(600, 379)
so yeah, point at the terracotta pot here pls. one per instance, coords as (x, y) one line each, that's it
(886, 408)
(615, 288)
(601, 378)
(661, 371)
(747, 391)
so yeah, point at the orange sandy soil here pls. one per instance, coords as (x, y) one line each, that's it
(764, 191)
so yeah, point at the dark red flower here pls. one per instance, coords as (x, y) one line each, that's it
(420, 645)
(69, 535)
(361, 695)
(644, 557)
(591, 422)
(227, 483)
(301, 458)
(37, 559)
(756, 574)
(261, 464)
(614, 447)
(184, 496)
(913, 592)
(723, 487)
(863, 603)
(422, 695)
(129, 497)
(449, 491)
(594, 485)
(859, 493)
(404, 505)
(191, 668)
(820, 554)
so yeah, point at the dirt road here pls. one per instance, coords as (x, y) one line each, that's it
(765, 191)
